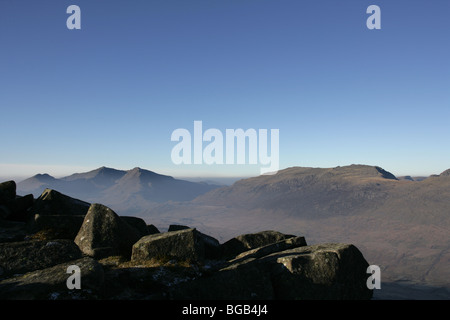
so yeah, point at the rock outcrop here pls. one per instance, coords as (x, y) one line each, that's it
(327, 271)
(26, 256)
(12, 206)
(184, 245)
(124, 258)
(103, 233)
(51, 283)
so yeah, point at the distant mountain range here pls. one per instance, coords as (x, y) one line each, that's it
(401, 224)
(128, 192)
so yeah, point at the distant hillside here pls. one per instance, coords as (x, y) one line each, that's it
(313, 192)
(128, 192)
(419, 178)
(401, 225)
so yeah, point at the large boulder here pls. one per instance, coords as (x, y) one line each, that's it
(7, 191)
(52, 202)
(12, 206)
(51, 283)
(250, 241)
(103, 233)
(184, 245)
(17, 209)
(26, 256)
(326, 271)
(137, 223)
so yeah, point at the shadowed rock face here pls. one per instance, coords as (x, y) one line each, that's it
(7, 191)
(12, 206)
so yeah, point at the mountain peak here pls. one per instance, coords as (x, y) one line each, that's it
(43, 176)
(102, 173)
(138, 172)
(446, 173)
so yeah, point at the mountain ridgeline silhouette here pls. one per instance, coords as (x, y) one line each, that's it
(127, 191)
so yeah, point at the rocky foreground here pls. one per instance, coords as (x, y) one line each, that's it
(121, 257)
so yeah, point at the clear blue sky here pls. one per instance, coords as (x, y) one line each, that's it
(112, 93)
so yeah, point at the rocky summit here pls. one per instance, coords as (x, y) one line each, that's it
(58, 247)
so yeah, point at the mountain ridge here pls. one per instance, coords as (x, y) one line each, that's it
(128, 191)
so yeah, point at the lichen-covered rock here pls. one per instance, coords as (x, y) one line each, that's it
(185, 244)
(51, 283)
(103, 233)
(26, 256)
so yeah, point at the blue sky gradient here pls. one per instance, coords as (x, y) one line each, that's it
(111, 93)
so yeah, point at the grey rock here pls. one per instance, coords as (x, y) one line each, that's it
(187, 244)
(51, 283)
(26, 256)
(103, 228)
